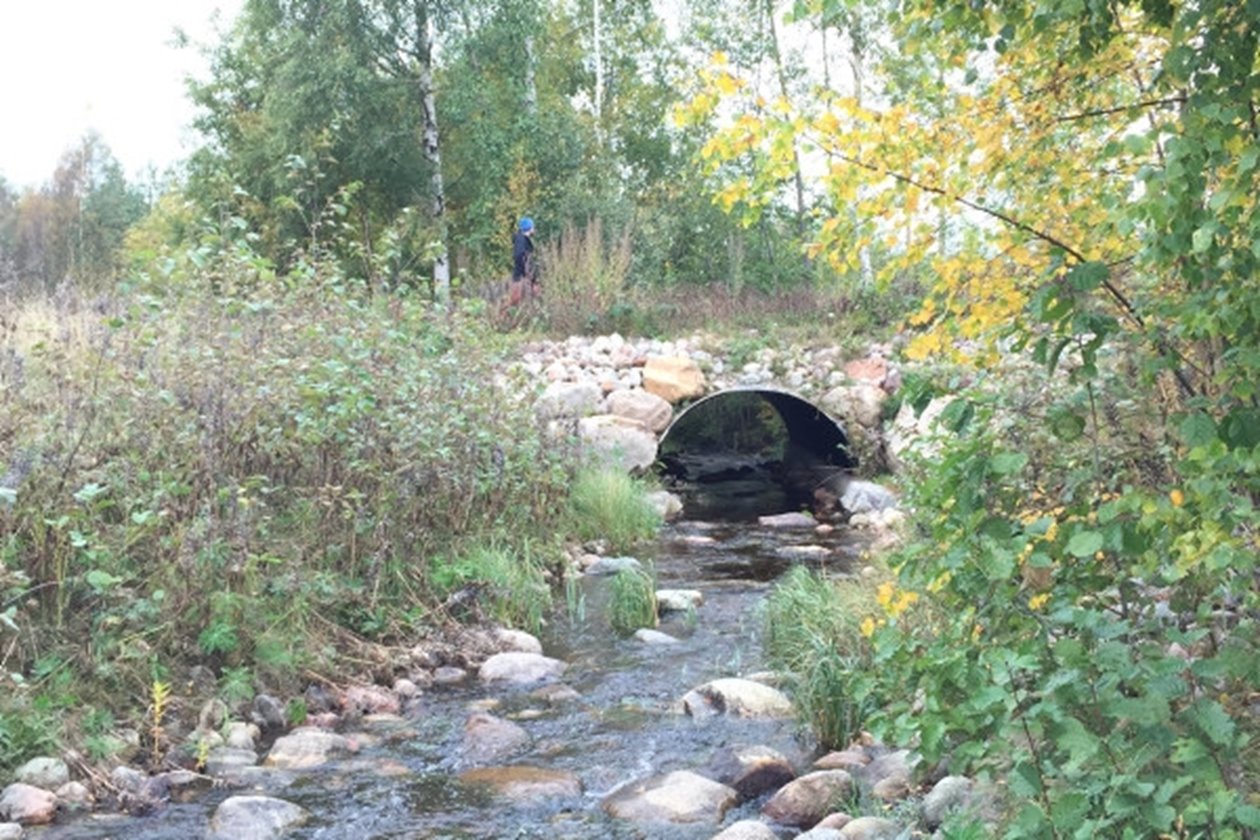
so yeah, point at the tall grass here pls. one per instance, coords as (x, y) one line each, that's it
(610, 506)
(584, 274)
(813, 634)
(633, 602)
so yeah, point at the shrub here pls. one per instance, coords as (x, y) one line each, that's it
(252, 476)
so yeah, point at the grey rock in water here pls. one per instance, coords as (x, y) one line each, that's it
(488, 738)
(678, 797)
(523, 783)
(11, 831)
(307, 747)
(654, 637)
(43, 772)
(254, 818)
(737, 698)
(520, 668)
(751, 769)
(788, 520)
(866, 497)
(678, 600)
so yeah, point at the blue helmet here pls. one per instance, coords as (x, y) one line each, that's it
(527, 224)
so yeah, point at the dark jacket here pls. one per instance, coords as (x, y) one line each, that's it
(523, 257)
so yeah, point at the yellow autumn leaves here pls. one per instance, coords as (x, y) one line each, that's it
(1025, 160)
(893, 601)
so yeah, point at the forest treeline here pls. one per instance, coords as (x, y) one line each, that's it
(407, 138)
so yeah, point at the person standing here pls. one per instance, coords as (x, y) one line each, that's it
(524, 267)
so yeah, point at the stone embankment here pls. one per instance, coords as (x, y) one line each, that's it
(619, 395)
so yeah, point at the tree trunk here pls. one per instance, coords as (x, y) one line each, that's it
(783, 91)
(433, 154)
(531, 77)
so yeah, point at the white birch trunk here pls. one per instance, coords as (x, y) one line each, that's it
(433, 154)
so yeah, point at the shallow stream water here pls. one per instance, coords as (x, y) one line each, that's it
(625, 724)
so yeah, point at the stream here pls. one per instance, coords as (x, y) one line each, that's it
(624, 724)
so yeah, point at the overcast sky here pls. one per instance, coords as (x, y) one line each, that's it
(68, 66)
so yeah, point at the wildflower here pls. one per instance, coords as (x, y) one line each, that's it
(1036, 602)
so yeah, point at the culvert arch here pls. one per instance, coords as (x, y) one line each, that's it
(768, 448)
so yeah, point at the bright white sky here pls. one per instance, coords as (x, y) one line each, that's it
(67, 66)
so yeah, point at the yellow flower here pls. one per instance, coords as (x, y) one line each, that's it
(1177, 498)
(1036, 602)
(867, 627)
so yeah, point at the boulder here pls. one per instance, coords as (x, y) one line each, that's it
(751, 769)
(46, 773)
(305, 747)
(449, 675)
(75, 796)
(268, 713)
(254, 818)
(912, 433)
(866, 497)
(746, 830)
(524, 784)
(808, 799)
(213, 714)
(871, 828)
(678, 600)
(849, 759)
(641, 406)
(788, 520)
(666, 504)
(859, 404)
(517, 640)
(568, 399)
(27, 805)
(520, 668)
(241, 735)
(654, 637)
(11, 831)
(617, 443)
(673, 378)
(949, 794)
(678, 797)
(737, 698)
(872, 369)
(898, 764)
(369, 700)
(489, 738)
